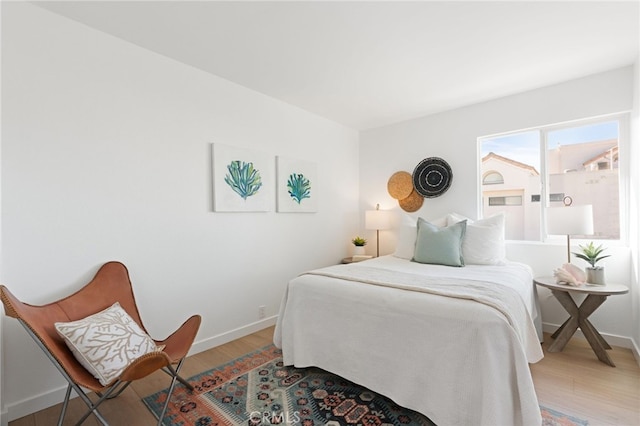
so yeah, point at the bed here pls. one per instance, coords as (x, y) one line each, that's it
(451, 343)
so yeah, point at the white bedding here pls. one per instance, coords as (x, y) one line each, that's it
(454, 359)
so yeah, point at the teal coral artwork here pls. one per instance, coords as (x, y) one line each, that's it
(243, 178)
(298, 187)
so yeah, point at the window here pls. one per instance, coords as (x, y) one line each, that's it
(552, 197)
(513, 200)
(492, 178)
(576, 162)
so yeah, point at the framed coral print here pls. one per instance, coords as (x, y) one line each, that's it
(297, 186)
(242, 179)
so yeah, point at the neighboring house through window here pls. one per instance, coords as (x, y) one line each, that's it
(517, 180)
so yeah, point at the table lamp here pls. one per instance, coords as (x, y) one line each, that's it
(570, 220)
(377, 219)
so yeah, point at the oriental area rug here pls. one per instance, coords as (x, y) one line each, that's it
(257, 389)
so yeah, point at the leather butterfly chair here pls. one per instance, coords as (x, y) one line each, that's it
(111, 284)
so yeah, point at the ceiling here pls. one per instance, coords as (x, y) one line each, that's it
(369, 64)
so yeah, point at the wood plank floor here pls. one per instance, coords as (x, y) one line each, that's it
(572, 381)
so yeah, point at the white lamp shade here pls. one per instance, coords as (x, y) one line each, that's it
(377, 219)
(570, 220)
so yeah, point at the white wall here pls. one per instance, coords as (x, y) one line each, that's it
(635, 206)
(106, 155)
(453, 136)
(3, 416)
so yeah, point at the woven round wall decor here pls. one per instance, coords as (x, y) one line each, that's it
(412, 203)
(432, 177)
(400, 185)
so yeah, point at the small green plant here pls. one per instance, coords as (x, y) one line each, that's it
(591, 253)
(359, 242)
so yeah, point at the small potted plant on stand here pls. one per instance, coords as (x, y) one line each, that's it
(592, 254)
(359, 244)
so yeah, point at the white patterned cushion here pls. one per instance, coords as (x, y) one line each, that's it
(106, 343)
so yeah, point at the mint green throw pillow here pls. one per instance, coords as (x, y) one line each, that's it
(440, 246)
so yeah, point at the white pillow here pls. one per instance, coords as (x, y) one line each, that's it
(484, 240)
(407, 234)
(106, 343)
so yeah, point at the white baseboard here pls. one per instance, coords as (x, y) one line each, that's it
(36, 403)
(221, 339)
(55, 396)
(636, 351)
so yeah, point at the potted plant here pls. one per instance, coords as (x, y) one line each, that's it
(593, 254)
(359, 244)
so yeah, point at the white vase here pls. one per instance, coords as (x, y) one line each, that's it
(358, 250)
(595, 275)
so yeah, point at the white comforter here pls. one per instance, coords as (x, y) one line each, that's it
(457, 354)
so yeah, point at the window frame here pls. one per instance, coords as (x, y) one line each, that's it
(623, 170)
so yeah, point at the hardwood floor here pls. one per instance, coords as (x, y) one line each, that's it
(575, 382)
(572, 381)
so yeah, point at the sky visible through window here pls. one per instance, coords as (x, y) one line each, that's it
(525, 146)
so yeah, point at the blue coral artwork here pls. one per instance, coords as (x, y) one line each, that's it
(242, 179)
(299, 187)
(296, 185)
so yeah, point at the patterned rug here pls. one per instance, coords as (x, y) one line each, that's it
(555, 418)
(257, 389)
